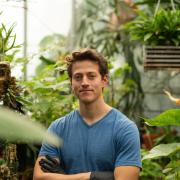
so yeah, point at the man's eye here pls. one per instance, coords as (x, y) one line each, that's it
(92, 76)
(77, 78)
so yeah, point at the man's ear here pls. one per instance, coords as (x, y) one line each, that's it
(105, 79)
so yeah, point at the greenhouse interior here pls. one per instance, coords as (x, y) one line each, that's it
(90, 89)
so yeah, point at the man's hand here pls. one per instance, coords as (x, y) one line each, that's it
(51, 165)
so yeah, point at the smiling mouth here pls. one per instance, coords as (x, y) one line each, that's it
(85, 90)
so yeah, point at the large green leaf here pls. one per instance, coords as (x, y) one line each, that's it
(15, 127)
(169, 117)
(162, 150)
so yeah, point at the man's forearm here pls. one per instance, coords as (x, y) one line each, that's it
(54, 176)
(51, 165)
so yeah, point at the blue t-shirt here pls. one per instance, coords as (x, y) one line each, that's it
(110, 142)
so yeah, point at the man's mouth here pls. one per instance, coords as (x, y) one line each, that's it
(87, 90)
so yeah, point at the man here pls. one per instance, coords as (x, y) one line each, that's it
(96, 138)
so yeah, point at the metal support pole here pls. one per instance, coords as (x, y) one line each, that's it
(25, 39)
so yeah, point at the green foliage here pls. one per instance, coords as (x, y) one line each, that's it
(49, 94)
(152, 2)
(163, 150)
(169, 117)
(170, 151)
(18, 128)
(7, 43)
(161, 29)
(150, 168)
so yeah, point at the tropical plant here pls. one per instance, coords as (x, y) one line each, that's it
(170, 152)
(160, 28)
(10, 94)
(7, 43)
(8, 50)
(151, 169)
(48, 95)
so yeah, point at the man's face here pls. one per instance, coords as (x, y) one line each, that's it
(87, 82)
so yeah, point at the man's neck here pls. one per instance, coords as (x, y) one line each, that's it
(93, 112)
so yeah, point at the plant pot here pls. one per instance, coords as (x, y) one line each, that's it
(162, 57)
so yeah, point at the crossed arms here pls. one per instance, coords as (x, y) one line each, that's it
(120, 173)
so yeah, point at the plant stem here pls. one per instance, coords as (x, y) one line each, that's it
(173, 6)
(157, 7)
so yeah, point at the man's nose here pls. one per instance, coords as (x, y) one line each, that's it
(85, 81)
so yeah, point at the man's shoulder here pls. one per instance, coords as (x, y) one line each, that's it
(63, 123)
(65, 118)
(119, 117)
(122, 123)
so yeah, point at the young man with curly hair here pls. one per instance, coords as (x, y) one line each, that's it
(99, 142)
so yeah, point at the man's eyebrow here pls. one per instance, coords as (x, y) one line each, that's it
(78, 73)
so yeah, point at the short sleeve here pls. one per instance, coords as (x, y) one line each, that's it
(127, 146)
(48, 149)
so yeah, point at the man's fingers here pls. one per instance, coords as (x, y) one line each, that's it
(46, 161)
(43, 169)
(54, 161)
(46, 167)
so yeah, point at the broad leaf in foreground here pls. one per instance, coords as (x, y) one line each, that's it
(162, 150)
(15, 127)
(169, 117)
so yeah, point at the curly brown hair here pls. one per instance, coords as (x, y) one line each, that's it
(87, 54)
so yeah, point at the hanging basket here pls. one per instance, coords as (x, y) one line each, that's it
(162, 57)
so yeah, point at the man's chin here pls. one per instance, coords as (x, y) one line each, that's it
(86, 100)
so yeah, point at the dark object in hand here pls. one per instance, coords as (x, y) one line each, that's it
(106, 175)
(50, 164)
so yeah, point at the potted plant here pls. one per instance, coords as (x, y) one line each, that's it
(160, 33)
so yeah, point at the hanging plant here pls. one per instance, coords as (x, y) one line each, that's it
(8, 88)
(160, 33)
(162, 28)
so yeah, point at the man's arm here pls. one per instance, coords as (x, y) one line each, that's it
(126, 173)
(40, 175)
(52, 165)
